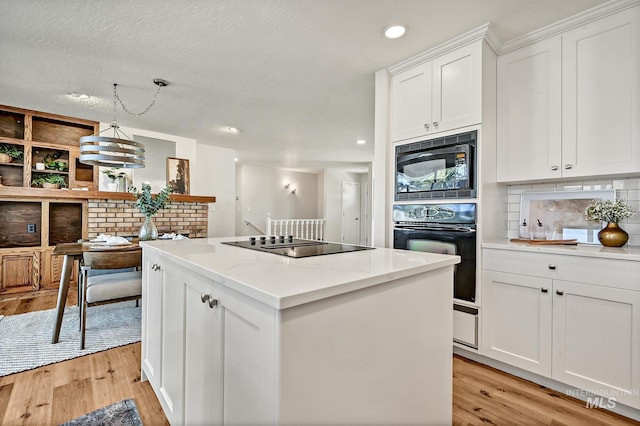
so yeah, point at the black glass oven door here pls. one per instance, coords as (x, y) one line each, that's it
(441, 241)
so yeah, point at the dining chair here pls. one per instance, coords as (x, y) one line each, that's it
(101, 288)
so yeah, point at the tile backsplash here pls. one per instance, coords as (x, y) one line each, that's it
(627, 189)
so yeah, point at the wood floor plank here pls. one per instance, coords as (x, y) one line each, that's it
(31, 398)
(71, 400)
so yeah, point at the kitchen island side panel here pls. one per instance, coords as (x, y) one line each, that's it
(379, 355)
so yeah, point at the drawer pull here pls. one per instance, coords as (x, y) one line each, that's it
(213, 303)
(205, 298)
(544, 290)
(559, 292)
(552, 267)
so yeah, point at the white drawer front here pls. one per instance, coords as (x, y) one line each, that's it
(589, 270)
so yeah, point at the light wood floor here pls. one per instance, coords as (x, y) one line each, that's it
(59, 392)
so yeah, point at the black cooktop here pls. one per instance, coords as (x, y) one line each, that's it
(292, 247)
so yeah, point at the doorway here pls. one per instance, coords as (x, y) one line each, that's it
(350, 212)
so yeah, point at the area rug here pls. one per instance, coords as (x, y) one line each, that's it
(25, 339)
(123, 413)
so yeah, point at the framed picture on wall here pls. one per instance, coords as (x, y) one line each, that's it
(178, 175)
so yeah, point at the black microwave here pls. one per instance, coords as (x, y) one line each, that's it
(437, 168)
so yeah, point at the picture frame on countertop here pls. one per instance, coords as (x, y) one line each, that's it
(562, 213)
(178, 175)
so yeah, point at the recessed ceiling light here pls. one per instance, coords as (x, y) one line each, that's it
(361, 141)
(395, 31)
(78, 96)
(235, 159)
(230, 130)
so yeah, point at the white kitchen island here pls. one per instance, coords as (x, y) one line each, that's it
(235, 336)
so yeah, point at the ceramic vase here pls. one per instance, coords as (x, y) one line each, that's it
(148, 230)
(612, 235)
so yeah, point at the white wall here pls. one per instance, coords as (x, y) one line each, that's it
(216, 176)
(260, 190)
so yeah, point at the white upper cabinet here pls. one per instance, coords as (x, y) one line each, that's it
(568, 106)
(529, 125)
(439, 95)
(601, 96)
(411, 103)
(457, 88)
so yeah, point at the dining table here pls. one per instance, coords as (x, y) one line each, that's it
(71, 253)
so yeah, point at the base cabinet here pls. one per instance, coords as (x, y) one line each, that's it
(215, 356)
(207, 353)
(517, 320)
(581, 334)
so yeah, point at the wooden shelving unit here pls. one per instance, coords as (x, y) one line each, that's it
(41, 137)
(35, 219)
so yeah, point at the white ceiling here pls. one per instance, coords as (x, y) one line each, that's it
(295, 76)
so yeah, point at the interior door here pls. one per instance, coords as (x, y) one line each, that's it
(350, 212)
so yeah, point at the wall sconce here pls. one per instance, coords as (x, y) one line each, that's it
(293, 190)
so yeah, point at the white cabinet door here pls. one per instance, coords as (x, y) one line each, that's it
(172, 360)
(529, 106)
(152, 317)
(203, 398)
(411, 103)
(229, 364)
(457, 88)
(596, 340)
(601, 96)
(249, 354)
(516, 325)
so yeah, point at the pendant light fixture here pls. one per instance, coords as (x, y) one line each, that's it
(118, 151)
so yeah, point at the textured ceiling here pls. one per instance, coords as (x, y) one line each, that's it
(296, 76)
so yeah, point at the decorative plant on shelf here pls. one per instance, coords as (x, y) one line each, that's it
(9, 152)
(611, 212)
(149, 206)
(111, 174)
(49, 181)
(52, 162)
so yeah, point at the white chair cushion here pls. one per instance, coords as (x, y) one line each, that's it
(114, 286)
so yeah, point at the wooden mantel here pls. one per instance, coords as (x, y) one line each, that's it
(19, 192)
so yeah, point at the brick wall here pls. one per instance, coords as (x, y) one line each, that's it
(119, 217)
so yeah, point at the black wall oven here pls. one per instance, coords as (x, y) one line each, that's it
(441, 228)
(437, 168)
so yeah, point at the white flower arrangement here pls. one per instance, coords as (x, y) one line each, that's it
(608, 211)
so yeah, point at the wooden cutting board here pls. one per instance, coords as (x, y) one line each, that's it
(546, 242)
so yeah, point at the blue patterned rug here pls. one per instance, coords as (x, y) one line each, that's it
(25, 339)
(123, 413)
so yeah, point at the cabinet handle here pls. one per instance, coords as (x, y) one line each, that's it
(155, 267)
(559, 292)
(552, 267)
(426, 126)
(205, 297)
(435, 124)
(213, 303)
(568, 166)
(544, 290)
(554, 167)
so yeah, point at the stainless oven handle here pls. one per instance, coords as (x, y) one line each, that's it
(436, 228)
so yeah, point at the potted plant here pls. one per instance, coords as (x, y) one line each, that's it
(49, 181)
(610, 212)
(9, 152)
(149, 206)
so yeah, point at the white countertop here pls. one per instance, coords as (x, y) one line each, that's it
(284, 282)
(588, 250)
